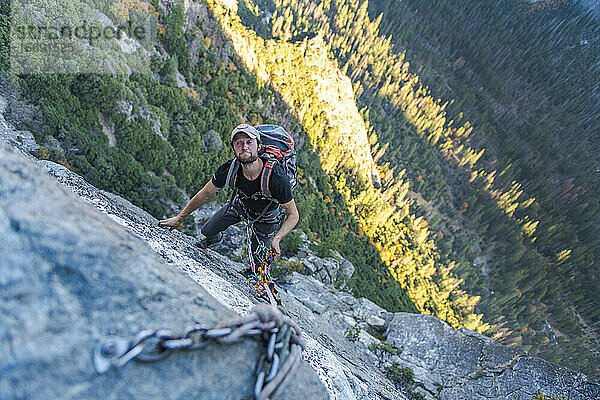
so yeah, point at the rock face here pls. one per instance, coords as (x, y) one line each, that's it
(447, 364)
(326, 351)
(332, 271)
(342, 368)
(70, 276)
(13, 108)
(466, 365)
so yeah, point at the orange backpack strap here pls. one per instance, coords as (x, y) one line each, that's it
(266, 176)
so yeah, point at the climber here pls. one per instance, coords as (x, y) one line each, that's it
(272, 217)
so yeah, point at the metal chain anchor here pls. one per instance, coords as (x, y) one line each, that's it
(282, 335)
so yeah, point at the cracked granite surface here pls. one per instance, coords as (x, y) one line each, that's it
(466, 365)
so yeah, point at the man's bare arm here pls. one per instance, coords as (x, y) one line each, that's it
(199, 198)
(290, 222)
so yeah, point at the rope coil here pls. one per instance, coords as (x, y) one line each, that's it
(261, 277)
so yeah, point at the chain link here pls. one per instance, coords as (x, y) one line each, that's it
(280, 333)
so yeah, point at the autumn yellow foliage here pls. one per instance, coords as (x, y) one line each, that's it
(122, 8)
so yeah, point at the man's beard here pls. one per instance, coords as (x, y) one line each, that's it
(248, 160)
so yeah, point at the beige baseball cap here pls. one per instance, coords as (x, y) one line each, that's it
(247, 129)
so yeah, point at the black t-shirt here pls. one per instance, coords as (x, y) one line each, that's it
(279, 186)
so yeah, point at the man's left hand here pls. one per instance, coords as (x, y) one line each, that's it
(276, 249)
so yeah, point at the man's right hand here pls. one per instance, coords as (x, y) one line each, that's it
(170, 223)
(199, 198)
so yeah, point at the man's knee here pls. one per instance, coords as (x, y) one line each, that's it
(220, 221)
(266, 232)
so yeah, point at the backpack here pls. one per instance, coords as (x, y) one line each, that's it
(277, 147)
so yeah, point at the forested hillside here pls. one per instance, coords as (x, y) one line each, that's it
(309, 81)
(156, 139)
(501, 144)
(482, 121)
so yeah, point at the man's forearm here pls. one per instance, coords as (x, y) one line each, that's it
(289, 224)
(196, 201)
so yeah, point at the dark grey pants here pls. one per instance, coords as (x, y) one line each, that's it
(225, 217)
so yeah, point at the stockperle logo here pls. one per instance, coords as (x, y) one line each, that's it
(81, 36)
(89, 31)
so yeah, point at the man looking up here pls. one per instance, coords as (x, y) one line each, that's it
(272, 218)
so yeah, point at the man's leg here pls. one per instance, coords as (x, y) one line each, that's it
(265, 232)
(221, 220)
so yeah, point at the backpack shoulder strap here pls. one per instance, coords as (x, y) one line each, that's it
(233, 169)
(266, 176)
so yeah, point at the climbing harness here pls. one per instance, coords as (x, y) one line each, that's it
(269, 212)
(274, 369)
